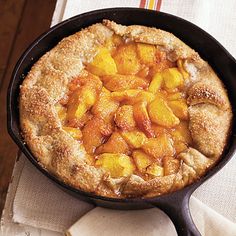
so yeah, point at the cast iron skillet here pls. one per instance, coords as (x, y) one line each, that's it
(175, 205)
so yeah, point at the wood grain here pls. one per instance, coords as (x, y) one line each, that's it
(21, 22)
(11, 12)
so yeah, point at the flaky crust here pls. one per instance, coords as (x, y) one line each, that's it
(47, 82)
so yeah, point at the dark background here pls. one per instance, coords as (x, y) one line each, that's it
(21, 21)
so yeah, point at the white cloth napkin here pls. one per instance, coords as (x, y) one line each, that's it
(150, 222)
(41, 204)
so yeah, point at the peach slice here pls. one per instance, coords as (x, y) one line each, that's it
(143, 96)
(155, 170)
(142, 160)
(118, 165)
(79, 123)
(144, 71)
(105, 107)
(123, 82)
(159, 147)
(159, 130)
(126, 59)
(84, 97)
(132, 96)
(161, 64)
(182, 133)
(103, 63)
(115, 144)
(172, 78)
(175, 96)
(146, 53)
(80, 101)
(94, 133)
(134, 138)
(181, 136)
(161, 114)
(142, 119)
(179, 108)
(122, 96)
(156, 83)
(124, 117)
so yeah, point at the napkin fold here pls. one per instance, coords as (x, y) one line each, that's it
(40, 203)
(152, 222)
(37, 202)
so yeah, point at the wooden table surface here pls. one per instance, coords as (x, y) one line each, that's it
(21, 21)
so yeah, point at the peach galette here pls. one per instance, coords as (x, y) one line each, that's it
(124, 111)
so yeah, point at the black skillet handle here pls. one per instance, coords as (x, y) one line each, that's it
(177, 208)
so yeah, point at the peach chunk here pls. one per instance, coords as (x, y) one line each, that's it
(79, 123)
(124, 117)
(126, 59)
(159, 130)
(182, 133)
(161, 64)
(141, 160)
(134, 138)
(179, 108)
(155, 170)
(182, 69)
(143, 96)
(123, 82)
(132, 96)
(75, 133)
(80, 101)
(172, 78)
(105, 107)
(161, 114)
(118, 165)
(159, 147)
(175, 96)
(103, 63)
(84, 97)
(171, 165)
(142, 119)
(181, 136)
(146, 53)
(144, 71)
(123, 96)
(115, 144)
(94, 133)
(156, 83)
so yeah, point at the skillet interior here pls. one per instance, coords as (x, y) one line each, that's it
(209, 49)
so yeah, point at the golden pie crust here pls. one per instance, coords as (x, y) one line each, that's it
(47, 82)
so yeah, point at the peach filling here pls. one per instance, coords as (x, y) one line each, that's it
(128, 109)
